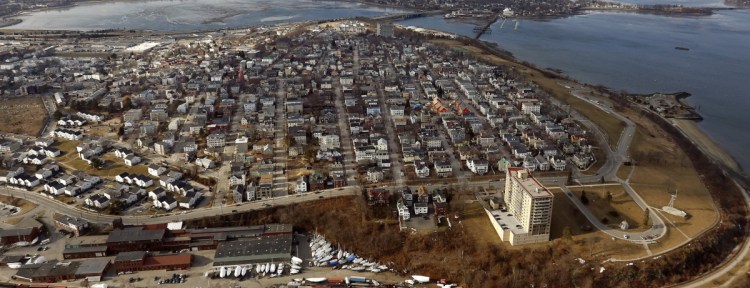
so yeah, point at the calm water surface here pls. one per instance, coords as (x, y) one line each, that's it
(192, 15)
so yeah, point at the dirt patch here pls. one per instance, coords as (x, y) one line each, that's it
(24, 115)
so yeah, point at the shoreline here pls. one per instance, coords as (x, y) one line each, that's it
(701, 139)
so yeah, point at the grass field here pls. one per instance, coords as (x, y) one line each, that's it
(566, 214)
(621, 207)
(113, 166)
(24, 115)
(671, 171)
(475, 220)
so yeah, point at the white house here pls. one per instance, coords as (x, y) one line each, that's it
(403, 211)
(131, 160)
(421, 168)
(123, 152)
(71, 191)
(157, 193)
(205, 163)
(301, 185)
(54, 188)
(12, 173)
(67, 179)
(98, 201)
(189, 200)
(478, 166)
(382, 144)
(443, 168)
(250, 192)
(156, 170)
(165, 202)
(421, 208)
(329, 142)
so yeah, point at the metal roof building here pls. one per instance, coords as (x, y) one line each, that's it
(265, 249)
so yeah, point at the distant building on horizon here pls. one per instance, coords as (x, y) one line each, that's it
(385, 29)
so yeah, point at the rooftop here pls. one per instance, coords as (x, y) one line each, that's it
(92, 266)
(529, 183)
(130, 256)
(47, 269)
(508, 222)
(85, 249)
(163, 260)
(260, 249)
(82, 241)
(133, 235)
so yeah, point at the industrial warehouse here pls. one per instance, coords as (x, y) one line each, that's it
(266, 249)
(161, 247)
(162, 238)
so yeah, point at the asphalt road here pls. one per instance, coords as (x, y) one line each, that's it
(94, 217)
(657, 230)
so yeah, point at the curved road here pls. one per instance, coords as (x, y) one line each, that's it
(615, 158)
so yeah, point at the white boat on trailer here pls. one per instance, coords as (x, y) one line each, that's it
(316, 280)
(420, 278)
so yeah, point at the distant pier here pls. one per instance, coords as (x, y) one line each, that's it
(481, 30)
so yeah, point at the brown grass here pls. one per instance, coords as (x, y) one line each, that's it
(621, 203)
(113, 167)
(22, 204)
(24, 115)
(672, 171)
(476, 222)
(566, 214)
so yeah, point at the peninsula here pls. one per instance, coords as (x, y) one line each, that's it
(390, 153)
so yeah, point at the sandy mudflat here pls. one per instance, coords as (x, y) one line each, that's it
(706, 143)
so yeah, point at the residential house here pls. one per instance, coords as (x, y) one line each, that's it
(99, 201)
(421, 169)
(190, 199)
(71, 224)
(132, 160)
(378, 196)
(421, 208)
(443, 168)
(238, 193)
(156, 170)
(166, 202)
(375, 174)
(216, 140)
(301, 186)
(403, 210)
(157, 193)
(478, 166)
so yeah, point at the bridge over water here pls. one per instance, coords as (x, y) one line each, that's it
(408, 15)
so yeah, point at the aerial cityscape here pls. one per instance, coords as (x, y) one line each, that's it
(375, 143)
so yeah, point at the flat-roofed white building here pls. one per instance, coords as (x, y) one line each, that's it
(529, 209)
